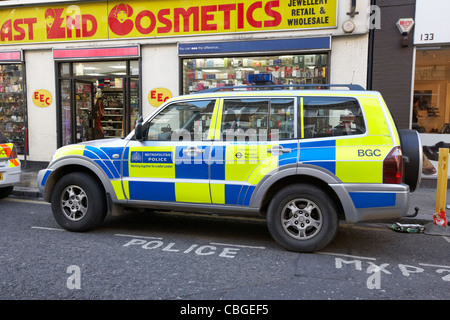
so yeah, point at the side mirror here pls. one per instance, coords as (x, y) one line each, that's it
(138, 131)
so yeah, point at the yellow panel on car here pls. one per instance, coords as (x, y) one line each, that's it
(360, 171)
(218, 193)
(362, 153)
(375, 125)
(192, 192)
(365, 141)
(241, 160)
(69, 150)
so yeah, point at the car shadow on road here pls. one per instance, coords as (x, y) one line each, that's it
(174, 224)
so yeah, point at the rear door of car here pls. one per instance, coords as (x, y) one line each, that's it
(255, 136)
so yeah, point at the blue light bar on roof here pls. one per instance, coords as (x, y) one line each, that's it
(260, 78)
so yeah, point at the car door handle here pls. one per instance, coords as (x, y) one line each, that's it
(277, 150)
(192, 151)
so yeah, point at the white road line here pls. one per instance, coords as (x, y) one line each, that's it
(135, 236)
(347, 255)
(446, 238)
(433, 265)
(46, 228)
(26, 200)
(236, 245)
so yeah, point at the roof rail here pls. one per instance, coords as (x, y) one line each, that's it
(284, 86)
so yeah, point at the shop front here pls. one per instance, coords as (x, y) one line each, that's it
(99, 65)
(431, 92)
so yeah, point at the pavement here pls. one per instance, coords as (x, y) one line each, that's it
(423, 199)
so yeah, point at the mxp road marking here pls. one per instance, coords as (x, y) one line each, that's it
(223, 250)
(374, 269)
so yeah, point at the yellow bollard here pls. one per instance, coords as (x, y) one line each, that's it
(441, 189)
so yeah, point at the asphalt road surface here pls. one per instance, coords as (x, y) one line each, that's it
(188, 257)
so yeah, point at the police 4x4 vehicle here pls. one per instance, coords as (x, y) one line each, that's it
(303, 158)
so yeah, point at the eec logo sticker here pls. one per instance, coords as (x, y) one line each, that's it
(42, 98)
(158, 96)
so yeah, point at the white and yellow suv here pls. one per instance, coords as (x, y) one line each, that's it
(303, 158)
(10, 167)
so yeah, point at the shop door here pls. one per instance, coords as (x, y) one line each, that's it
(132, 102)
(100, 109)
(110, 99)
(98, 100)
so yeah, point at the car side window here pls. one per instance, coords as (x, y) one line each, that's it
(181, 121)
(258, 119)
(281, 123)
(331, 117)
(245, 119)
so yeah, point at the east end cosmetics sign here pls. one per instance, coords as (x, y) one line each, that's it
(134, 19)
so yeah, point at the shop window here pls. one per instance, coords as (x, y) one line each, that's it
(431, 103)
(205, 73)
(64, 69)
(134, 67)
(329, 117)
(12, 108)
(97, 69)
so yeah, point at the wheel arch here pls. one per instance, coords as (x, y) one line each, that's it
(68, 165)
(308, 174)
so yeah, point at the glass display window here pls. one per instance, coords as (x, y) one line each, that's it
(12, 107)
(205, 73)
(431, 103)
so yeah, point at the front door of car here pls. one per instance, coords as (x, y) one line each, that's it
(258, 136)
(172, 162)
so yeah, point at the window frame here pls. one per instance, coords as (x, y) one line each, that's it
(269, 99)
(205, 135)
(301, 118)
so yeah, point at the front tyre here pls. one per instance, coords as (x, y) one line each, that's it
(78, 202)
(302, 218)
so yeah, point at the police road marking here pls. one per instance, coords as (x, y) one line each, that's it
(223, 250)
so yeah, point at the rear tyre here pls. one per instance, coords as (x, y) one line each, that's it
(78, 202)
(412, 152)
(302, 218)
